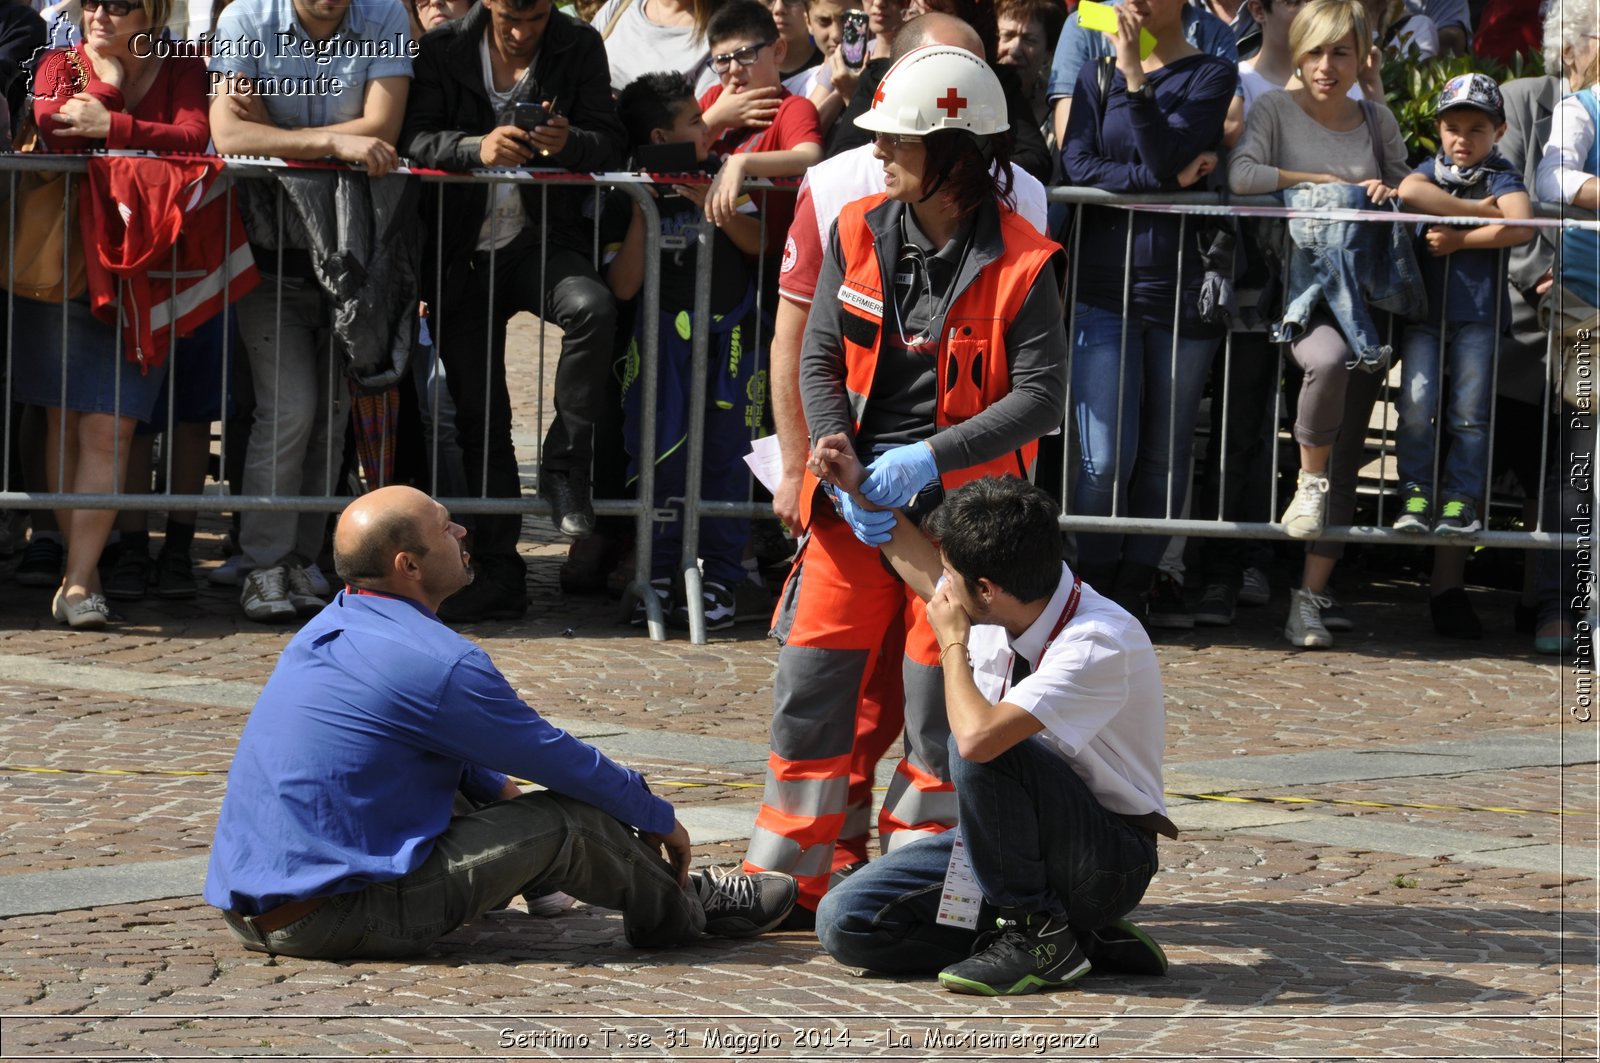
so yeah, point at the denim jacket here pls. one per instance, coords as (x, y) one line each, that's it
(1353, 266)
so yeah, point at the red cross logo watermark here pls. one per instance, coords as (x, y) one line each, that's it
(951, 104)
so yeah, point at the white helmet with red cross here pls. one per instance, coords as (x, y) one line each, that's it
(934, 88)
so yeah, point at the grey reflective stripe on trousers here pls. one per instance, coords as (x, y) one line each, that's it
(814, 699)
(774, 852)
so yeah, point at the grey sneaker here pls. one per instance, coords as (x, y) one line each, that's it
(302, 590)
(266, 597)
(740, 904)
(1305, 626)
(1308, 510)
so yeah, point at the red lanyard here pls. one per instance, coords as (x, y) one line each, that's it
(1068, 611)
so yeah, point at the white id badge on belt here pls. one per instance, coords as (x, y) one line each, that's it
(958, 906)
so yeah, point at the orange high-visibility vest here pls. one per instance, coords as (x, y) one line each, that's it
(971, 363)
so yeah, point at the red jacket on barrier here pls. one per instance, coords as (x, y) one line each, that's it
(169, 236)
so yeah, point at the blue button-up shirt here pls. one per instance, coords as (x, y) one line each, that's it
(374, 717)
(306, 83)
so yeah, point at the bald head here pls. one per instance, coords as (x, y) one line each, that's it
(936, 28)
(376, 527)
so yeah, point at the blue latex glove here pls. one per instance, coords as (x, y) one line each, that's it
(897, 475)
(871, 526)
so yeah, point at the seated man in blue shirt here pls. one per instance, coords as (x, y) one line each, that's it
(336, 838)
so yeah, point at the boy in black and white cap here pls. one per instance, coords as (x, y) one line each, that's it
(1466, 286)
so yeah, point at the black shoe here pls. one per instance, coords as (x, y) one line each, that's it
(1024, 954)
(1216, 608)
(589, 561)
(845, 872)
(174, 576)
(129, 577)
(1167, 608)
(1453, 615)
(741, 904)
(801, 919)
(1122, 948)
(485, 598)
(717, 602)
(41, 563)
(662, 587)
(571, 507)
(1334, 616)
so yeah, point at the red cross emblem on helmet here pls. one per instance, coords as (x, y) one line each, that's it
(952, 103)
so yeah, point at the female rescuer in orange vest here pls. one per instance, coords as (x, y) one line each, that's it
(942, 355)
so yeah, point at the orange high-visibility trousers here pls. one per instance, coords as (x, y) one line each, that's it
(838, 606)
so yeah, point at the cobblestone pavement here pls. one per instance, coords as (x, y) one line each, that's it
(1405, 867)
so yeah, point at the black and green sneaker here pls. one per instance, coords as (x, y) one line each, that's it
(1416, 513)
(1457, 517)
(1023, 954)
(1122, 948)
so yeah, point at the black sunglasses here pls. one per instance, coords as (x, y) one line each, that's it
(114, 8)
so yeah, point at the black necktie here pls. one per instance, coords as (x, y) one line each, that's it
(1019, 668)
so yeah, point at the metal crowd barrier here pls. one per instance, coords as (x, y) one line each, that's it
(1377, 480)
(14, 496)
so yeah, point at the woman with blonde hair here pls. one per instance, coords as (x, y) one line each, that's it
(110, 91)
(1316, 134)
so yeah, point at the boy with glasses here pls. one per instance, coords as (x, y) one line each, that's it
(754, 139)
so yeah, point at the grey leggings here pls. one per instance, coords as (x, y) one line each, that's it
(1334, 407)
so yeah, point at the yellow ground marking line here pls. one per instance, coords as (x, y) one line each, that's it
(685, 784)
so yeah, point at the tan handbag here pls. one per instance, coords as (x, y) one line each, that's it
(41, 249)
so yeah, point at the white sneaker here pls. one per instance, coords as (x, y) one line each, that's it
(546, 905)
(266, 598)
(231, 573)
(1308, 510)
(318, 582)
(302, 590)
(1305, 627)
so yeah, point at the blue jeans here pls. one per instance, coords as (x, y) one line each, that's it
(538, 842)
(1463, 415)
(1038, 840)
(1136, 448)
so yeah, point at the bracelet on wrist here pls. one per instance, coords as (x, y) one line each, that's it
(962, 646)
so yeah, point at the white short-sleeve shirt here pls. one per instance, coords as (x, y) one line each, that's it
(1097, 692)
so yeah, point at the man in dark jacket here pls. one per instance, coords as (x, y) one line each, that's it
(514, 84)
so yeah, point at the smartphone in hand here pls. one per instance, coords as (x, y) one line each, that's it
(528, 115)
(854, 39)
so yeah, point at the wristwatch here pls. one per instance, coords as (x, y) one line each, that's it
(1144, 93)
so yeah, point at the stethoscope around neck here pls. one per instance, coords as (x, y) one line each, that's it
(925, 342)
